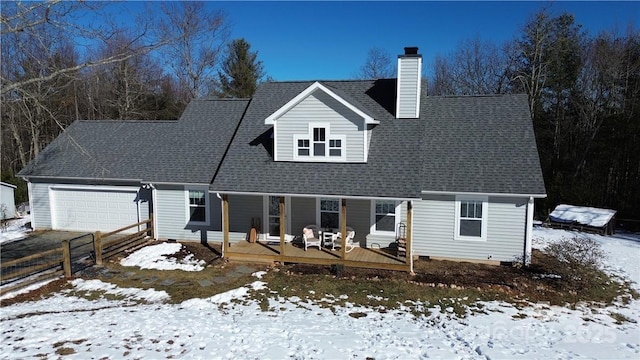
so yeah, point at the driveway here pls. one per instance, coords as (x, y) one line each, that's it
(39, 241)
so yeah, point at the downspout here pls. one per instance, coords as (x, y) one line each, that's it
(528, 233)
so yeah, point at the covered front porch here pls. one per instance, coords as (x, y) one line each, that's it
(373, 249)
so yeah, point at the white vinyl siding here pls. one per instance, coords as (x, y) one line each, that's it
(171, 216)
(434, 229)
(409, 72)
(40, 205)
(320, 109)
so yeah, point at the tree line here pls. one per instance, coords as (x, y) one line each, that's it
(584, 96)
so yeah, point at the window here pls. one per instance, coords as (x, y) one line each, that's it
(319, 144)
(335, 148)
(197, 200)
(319, 141)
(385, 216)
(471, 218)
(329, 213)
(303, 147)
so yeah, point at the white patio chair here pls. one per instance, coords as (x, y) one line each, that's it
(337, 241)
(311, 237)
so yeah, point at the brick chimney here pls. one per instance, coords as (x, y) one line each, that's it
(408, 86)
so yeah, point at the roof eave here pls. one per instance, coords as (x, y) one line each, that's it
(368, 119)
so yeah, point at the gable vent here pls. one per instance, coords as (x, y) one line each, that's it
(408, 84)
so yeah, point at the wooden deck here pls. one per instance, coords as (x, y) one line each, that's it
(358, 257)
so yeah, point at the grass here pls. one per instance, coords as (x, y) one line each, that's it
(444, 286)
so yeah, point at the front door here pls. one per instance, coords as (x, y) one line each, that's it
(272, 214)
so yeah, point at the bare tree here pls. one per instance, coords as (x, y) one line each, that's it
(475, 67)
(203, 35)
(378, 65)
(28, 20)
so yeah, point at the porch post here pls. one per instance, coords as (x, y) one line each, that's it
(343, 228)
(225, 223)
(409, 256)
(282, 226)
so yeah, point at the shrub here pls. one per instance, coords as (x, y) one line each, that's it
(581, 255)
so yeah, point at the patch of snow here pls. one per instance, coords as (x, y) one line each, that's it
(26, 289)
(155, 257)
(16, 230)
(259, 274)
(583, 215)
(148, 295)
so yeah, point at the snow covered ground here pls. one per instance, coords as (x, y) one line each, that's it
(137, 324)
(15, 230)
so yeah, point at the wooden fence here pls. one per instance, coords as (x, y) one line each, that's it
(56, 262)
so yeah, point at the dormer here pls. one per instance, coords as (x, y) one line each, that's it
(321, 124)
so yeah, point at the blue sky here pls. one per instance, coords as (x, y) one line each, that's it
(330, 40)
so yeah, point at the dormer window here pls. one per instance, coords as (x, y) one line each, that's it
(319, 145)
(319, 141)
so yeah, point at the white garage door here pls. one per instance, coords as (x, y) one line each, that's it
(93, 210)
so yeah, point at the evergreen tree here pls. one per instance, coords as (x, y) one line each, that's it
(241, 71)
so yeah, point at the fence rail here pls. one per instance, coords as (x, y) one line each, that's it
(73, 255)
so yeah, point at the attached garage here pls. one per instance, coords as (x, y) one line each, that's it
(95, 208)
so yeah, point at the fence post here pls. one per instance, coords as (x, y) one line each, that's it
(151, 226)
(97, 247)
(66, 258)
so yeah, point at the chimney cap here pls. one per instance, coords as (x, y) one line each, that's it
(411, 50)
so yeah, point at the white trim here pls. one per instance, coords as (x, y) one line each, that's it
(419, 86)
(528, 232)
(31, 208)
(80, 178)
(154, 198)
(372, 217)
(95, 188)
(8, 185)
(270, 120)
(174, 183)
(52, 212)
(265, 215)
(328, 137)
(318, 217)
(425, 192)
(207, 212)
(483, 225)
(316, 195)
(275, 142)
(297, 137)
(365, 141)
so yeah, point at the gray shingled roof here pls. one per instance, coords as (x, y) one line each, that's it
(480, 144)
(389, 172)
(184, 151)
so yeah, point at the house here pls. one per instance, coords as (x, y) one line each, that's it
(7, 201)
(454, 175)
